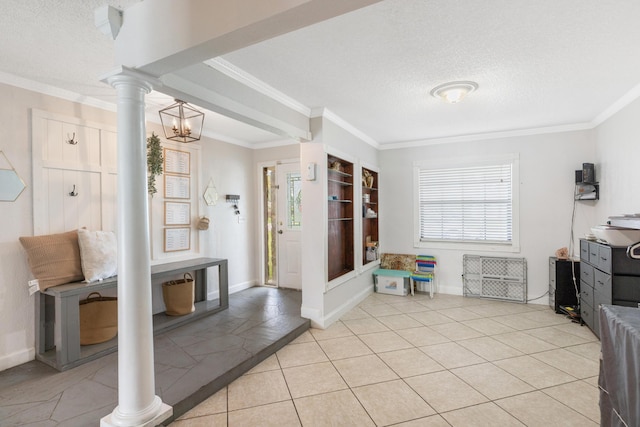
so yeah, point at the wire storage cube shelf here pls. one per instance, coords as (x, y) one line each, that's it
(495, 277)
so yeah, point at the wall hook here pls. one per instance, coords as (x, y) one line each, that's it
(73, 192)
(72, 140)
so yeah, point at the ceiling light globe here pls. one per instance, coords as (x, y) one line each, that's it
(453, 92)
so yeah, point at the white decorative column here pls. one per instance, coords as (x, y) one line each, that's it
(137, 403)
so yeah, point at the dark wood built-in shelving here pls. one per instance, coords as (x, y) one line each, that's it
(340, 217)
(369, 221)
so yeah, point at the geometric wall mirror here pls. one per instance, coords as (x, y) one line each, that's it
(210, 194)
(11, 185)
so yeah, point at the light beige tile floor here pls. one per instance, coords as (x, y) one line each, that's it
(416, 361)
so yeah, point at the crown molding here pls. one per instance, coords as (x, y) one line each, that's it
(46, 89)
(274, 144)
(252, 146)
(622, 102)
(241, 76)
(245, 78)
(488, 135)
(339, 121)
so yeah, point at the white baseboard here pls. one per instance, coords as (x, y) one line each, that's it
(242, 286)
(17, 358)
(232, 289)
(323, 322)
(351, 303)
(449, 290)
(312, 314)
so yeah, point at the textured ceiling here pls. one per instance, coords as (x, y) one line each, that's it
(538, 63)
(55, 42)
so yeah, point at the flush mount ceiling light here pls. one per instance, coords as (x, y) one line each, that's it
(181, 122)
(453, 92)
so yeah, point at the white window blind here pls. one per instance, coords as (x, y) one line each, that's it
(466, 204)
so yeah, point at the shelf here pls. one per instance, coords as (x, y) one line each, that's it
(340, 201)
(339, 182)
(587, 191)
(339, 273)
(337, 172)
(369, 188)
(340, 219)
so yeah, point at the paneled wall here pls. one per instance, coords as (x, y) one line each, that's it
(74, 170)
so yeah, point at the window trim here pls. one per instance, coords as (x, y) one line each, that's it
(445, 163)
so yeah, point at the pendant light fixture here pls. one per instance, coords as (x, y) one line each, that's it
(453, 92)
(181, 122)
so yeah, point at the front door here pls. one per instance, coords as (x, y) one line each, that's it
(289, 225)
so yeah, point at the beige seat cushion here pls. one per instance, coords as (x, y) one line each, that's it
(54, 259)
(398, 262)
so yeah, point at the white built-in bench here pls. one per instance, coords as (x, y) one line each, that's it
(58, 314)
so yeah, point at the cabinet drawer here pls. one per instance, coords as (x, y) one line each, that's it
(552, 275)
(586, 294)
(604, 258)
(594, 253)
(599, 299)
(584, 250)
(622, 264)
(626, 288)
(602, 283)
(586, 313)
(586, 273)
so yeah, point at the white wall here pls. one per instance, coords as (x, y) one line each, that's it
(231, 236)
(618, 163)
(547, 164)
(232, 168)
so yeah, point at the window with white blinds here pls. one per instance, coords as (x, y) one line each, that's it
(466, 204)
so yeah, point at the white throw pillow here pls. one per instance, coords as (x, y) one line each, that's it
(98, 254)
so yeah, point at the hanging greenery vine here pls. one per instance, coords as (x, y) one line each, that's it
(154, 162)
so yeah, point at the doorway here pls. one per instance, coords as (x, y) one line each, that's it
(282, 213)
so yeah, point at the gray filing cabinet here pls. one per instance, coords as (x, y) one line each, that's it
(607, 276)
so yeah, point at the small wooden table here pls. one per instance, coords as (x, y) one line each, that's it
(58, 315)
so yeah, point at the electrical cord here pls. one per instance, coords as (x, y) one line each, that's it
(571, 253)
(541, 296)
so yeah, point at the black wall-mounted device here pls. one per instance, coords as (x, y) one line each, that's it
(587, 174)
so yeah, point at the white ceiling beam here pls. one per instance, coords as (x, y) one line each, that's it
(209, 88)
(161, 36)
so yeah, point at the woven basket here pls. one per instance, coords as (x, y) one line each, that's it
(179, 296)
(98, 319)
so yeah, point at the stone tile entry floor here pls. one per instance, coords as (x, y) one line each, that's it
(191, 363)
